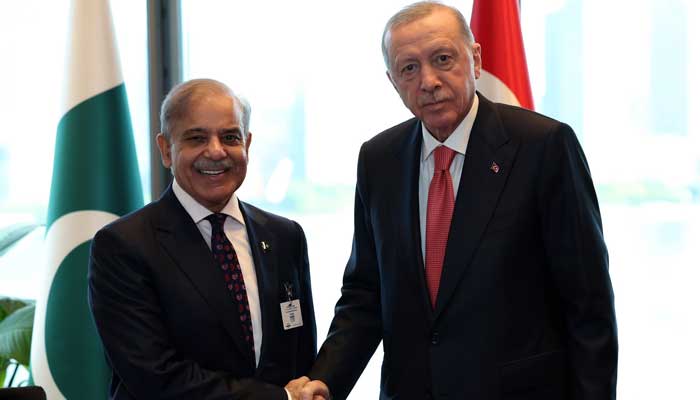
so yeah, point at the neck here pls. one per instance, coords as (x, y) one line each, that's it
(440, 136)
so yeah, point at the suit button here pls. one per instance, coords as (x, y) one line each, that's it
(435, 338)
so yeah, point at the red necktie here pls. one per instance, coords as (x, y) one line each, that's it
(441, 202)
(225, 256)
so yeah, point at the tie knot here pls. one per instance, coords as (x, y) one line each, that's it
(442, 156)
(217, 221)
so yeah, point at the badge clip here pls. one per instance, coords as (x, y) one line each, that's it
(288, 290)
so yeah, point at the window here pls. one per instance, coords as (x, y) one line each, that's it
(619, 73)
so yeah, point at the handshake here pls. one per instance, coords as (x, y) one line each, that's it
(305, 389)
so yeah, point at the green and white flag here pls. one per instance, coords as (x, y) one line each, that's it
(95, 180)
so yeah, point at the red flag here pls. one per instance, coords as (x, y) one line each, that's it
(504, 77)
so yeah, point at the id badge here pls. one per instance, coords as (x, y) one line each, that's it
(291, 314)
(291, 309)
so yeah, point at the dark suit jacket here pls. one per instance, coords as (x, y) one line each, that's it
(525, 304)
(170, 328)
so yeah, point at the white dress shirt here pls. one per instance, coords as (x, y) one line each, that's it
(235, 231)
(457, 141)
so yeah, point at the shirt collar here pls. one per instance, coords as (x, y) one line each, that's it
(458, 140)
(198, 212)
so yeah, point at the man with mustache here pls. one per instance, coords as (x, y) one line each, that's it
(478, 256)
(199, 295)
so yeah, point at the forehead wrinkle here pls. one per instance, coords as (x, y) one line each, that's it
(414, 35)
(195, 129)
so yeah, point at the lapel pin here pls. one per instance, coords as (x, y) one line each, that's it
(265, 246)
(494, 167)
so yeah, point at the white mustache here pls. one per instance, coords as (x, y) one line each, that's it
(209, 165)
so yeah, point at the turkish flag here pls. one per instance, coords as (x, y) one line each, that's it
(504, 77)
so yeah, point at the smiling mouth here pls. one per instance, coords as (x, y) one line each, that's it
(212, 172)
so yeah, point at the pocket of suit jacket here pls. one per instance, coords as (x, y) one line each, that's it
(542, 375)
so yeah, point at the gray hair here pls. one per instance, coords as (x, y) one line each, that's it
(416, 11)
(178, 100)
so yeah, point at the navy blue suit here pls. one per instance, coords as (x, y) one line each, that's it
(169, 326)
(525, 303)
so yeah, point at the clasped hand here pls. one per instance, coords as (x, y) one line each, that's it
(305, 389)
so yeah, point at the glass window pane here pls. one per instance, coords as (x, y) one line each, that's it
(620, 73)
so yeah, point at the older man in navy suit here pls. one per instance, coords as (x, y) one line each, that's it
(478, 256)
(199, 295)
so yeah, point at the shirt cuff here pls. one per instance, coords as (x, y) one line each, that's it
(289, 395)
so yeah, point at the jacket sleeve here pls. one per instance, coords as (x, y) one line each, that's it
(127, 312)
(578, 262)
(356, 329)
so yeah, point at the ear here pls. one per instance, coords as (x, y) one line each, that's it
(476, 56)
(388, 75)
(164, 146)
(249, 139)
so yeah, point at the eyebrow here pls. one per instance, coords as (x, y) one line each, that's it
(235, 129)
(196, 129)
(199, 129)
(443, 49)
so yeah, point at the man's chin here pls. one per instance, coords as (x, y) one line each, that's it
(442, 125)
(215, 196)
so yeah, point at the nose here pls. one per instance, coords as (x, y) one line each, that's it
(430, 80)
(215, 149)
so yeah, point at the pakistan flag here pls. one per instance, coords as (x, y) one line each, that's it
(95, 180)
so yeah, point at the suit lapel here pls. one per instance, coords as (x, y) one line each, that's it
(263, 246)
(479, 190)
(182, 240)
(408, 224)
